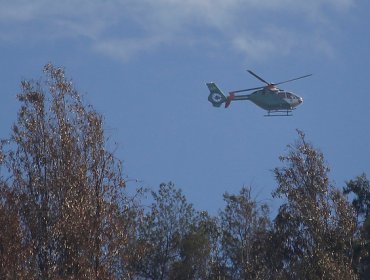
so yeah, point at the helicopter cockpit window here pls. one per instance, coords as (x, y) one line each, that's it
(281, 94)
(289, 95)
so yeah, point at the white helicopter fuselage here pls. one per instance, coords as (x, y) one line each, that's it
(272, 98)
(275, 99)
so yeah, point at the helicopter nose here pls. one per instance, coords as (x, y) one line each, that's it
(300, 100)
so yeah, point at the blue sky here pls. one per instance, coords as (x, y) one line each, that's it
(144, 65)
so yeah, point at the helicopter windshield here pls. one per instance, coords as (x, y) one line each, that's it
(281, 94)
(289, 95)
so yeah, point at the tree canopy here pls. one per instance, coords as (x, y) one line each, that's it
(65, 212)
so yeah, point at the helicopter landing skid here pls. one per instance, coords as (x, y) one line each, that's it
(279, 113)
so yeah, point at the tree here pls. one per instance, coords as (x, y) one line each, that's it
(168, 231)
(13, 252)
(197, 250)
(66, 187)
(315, 227)
(360, 187)
(163, 225)
(245, 226)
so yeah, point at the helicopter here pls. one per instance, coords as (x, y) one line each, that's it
(275, 101)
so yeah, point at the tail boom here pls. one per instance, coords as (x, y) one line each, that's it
(217, 98)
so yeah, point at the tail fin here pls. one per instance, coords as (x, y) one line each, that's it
(216, 97)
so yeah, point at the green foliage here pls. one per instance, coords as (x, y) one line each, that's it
(196, 250)
(360, 188)
(163, 229)
(245, 228)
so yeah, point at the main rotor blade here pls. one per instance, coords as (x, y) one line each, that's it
(258, 77)
(248, 89)
(292, 80)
